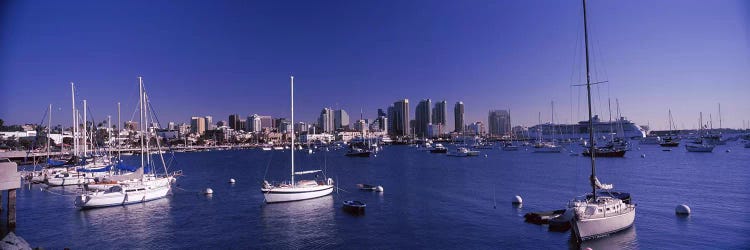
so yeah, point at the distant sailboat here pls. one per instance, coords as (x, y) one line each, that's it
(295, 191)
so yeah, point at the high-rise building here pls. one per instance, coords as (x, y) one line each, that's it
(391, 117)
(267, 122)
(171, 126)
(499, 122)
(422, 117)
(340, 120)
(209, 123)
(381, 113)
(242, 125)
(439, 113)
(476, 128)
(401, 118)
(325, 121)
(198, 125)
(253, 123)
(382, 124)
(234, 121)
(458, 112)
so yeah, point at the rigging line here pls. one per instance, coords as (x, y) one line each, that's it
(36, 137)
(268, 165)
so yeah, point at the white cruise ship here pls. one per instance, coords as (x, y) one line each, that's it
(576, 131)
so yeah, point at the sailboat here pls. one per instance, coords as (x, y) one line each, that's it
(669, 140)
(138, 187)
(296, 191)
(700, 145)
(602, 212)
(545, 147)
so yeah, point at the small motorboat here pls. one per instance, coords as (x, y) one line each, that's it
(463, 152)
(354, 207)
(439, 149)
(358, 152)
(367, 187)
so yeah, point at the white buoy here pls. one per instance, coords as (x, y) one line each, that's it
(231, 180)
(643, 156)
(682, 209)
(485, 156)
(208, 191)
(379, 189)
(517, 200)
(729, 150)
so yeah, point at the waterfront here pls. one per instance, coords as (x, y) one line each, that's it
(430, 201)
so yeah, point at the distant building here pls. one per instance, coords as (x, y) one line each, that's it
(476, 128)
(171, 126)
(390, 114)
(423, 117)
(198, 125)
(222, 124)
(381, 113)
(325, 121)
(253, 123)
(242, 125)
(458, 112)
(435, 130)
(234, 122)
(267, 122)
(401, 118)
(340, 120)
(439, 113)
(301, 127)
(209, 123)
(361, 126)
(499, 122)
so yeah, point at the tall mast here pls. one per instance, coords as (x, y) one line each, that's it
(588, 95)
(140, 117)
(118, 132)
(148, 130)
(719, 115)
(291, 79)
(75, 125)
(49, 128)
(85, 131)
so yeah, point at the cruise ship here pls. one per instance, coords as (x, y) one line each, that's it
(620, 127)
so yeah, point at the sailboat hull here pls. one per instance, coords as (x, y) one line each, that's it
(102, 199)
(287, 194)
(586, 229)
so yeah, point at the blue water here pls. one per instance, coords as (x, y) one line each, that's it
(430, 201)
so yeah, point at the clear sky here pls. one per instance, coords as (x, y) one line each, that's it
(222, 57)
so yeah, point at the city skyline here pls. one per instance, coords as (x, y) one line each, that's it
(489, 55)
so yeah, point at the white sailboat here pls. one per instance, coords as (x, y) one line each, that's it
(300, 190)
(133, 188)
(599, 213)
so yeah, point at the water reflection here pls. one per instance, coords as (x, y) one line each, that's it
(133, 224)
(625, 239)
(299, 224)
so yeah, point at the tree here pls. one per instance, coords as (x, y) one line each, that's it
(1, 124)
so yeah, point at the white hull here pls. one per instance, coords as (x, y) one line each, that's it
(129, 194)
(286, 194)
(66, 181)
(591, 228)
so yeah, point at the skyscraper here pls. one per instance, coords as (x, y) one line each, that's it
(439, 112)
(234, 121)
(458, 112)
(381, 113)
(391, 116)
(254, 123)
(340, 119)
(209, 122)
(325, 121)
(197, 125)
(401, 118)
(422, 117)
(499, 122)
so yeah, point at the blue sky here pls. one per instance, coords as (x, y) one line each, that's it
(222, 57)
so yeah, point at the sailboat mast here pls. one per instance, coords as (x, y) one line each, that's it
(49, 128)
(588, 95)
(75, 125)
(291, 79)
(140, 117)
(119, 152)
(85, 130)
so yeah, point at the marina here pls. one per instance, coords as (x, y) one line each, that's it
(234, 215)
